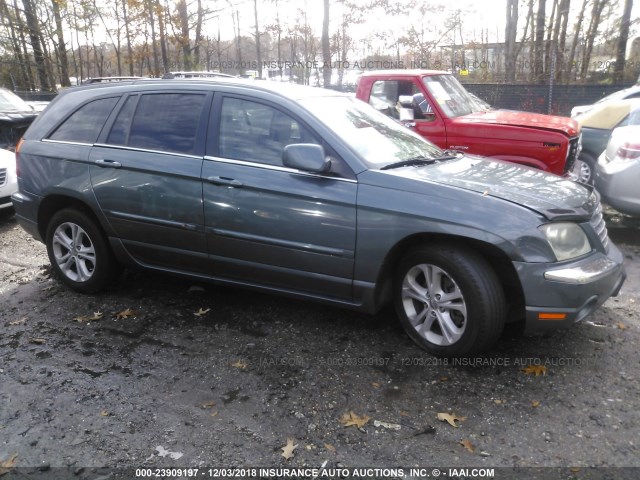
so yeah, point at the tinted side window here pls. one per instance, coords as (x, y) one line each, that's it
(166, 122)
(119, 134)
(84, 124)
(258, 133)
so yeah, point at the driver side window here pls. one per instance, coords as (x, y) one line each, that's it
(256, 132)
(391, 96)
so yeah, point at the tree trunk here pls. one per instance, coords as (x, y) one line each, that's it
(326, 52)
(538, 66)
(36, 44)
(576, 40)
(196, 45)
(163, 37)
(154, 45)
(511, 30)
(598, 6)
(22, 77)
(621, 47)
(128, 35)
(184, 34)
(257, 37)
(62, 49)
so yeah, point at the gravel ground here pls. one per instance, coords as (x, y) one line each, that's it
(164, 372)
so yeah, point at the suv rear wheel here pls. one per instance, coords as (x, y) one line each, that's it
(79, 252)
(449, 300)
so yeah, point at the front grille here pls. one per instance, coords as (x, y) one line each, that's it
(574, 145)
(597, 222)
(3, 176)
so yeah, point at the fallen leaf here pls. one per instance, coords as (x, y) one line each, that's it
(240, 364)
(208, 405)
(201, 312)
(287, 450)
(535, 370)
(499, 402)
(405, 414)
(214, 414)
(104, 413)
(349, 419)
(88, 318)
(621, 326)
(451, 419)
(126, 313)
(574, 469)
(7, 465)
(466, 443)
(330, 447)
(39, 341)
(444, 379)
(375, 384)
(19, 321)
(535, 403)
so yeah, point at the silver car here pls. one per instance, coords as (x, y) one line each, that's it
(618, 170)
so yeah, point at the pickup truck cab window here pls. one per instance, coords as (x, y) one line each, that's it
(391, 96)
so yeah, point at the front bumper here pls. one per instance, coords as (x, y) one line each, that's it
(557, 296)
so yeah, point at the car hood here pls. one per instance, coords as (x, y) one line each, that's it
(18, 117)
(568, 126)
(550, 195)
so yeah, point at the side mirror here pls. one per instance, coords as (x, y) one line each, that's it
(306, 156)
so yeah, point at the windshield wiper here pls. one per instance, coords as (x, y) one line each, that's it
(409, 162)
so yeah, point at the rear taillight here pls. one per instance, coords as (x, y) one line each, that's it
(628, 151)
(18, 146)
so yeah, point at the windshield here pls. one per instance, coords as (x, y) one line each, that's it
(452, 98)
(378, 139)
(10, 102)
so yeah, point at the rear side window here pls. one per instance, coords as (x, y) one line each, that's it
(84, 125)
(166, 122)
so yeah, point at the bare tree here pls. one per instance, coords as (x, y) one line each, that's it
(326, 46)
(511, 29)
(592, 32)
(621, 46)
(62, 48)
(538, 65)
(36, 44)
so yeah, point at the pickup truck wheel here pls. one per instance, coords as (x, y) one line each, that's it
(79, 252)
(584, 168)
(449, 300)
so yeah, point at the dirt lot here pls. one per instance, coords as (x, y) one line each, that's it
(163, 372)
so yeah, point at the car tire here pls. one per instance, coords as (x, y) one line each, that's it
(460, 311)
(584, 169)
(79, 252)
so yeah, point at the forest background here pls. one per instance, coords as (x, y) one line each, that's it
(49, 44)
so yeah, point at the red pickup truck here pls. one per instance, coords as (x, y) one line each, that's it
(437, 106)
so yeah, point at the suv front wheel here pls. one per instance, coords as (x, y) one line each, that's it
(79, 252)
(449, 300)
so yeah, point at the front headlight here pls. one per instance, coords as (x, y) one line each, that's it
(567, 240)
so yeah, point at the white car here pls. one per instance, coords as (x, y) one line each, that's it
(627, 93)
(8, 180)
